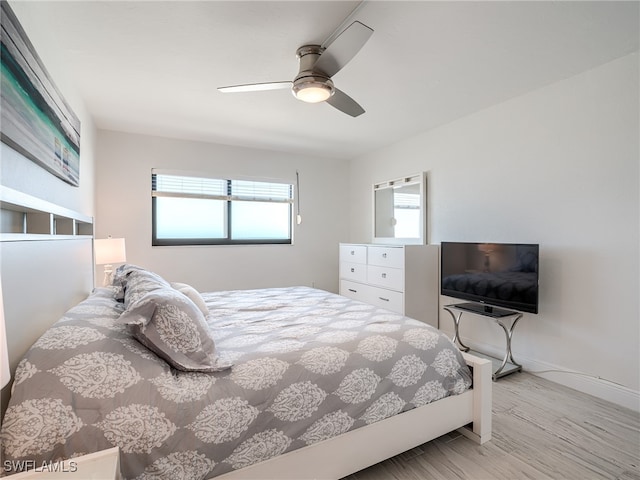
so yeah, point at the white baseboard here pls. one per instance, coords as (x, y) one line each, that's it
(583, 382)
(580, 381)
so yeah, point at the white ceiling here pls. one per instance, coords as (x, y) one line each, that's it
(152, 67)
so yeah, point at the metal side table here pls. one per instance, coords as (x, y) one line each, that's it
(507, 319)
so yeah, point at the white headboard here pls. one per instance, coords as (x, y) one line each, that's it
(46, 266)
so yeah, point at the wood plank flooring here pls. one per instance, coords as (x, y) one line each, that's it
(541, 430)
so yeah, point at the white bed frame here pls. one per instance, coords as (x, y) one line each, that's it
(468, 413)
(46, 253)
(50, 243)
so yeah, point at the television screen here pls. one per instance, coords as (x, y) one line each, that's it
(491, 274)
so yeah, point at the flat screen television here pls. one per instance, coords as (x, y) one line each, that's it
(490, 275)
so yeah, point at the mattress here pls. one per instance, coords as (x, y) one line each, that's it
(305, 365)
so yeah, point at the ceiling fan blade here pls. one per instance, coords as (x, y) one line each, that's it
(345, 103)
(343, 49)
(255, 87)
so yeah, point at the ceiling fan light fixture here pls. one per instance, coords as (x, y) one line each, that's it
(316, 66)
(312, 89)
(313, 93)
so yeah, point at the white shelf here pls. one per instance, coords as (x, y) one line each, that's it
(24, 217)
(22, 237)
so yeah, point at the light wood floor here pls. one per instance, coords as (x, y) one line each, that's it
(541, 430)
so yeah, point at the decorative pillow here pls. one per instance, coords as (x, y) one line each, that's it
(136, 282)
(119, 277)
(193, 295)
(168, 323)
(117, 285)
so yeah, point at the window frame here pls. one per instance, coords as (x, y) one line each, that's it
(229, 198)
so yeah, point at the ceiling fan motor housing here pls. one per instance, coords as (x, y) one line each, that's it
(307, 77)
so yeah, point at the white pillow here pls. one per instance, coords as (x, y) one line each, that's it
(193, 295)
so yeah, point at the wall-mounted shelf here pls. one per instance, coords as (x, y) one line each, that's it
(24, 217)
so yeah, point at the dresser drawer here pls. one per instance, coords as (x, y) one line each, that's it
(380, 297)
(353, 253)
(353, 271)
(383, 298)
(356, 291)
(386, 256)
(386, 277)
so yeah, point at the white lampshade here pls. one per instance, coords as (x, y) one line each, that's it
(110, 250)
(5, 373)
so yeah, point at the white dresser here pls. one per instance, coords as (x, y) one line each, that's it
(400, 278)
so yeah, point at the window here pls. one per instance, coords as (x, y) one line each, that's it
(189, 210)
(406, 210)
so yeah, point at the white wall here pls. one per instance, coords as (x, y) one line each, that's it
(20, 173)
(558, 167)
(26, 318)
(123, 198)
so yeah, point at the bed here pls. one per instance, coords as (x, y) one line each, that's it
(293, 378)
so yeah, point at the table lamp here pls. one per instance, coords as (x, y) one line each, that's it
(109, 251)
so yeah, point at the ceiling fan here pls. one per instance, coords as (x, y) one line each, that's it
(317, 64)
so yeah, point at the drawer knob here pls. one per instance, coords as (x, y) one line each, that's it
(352, 290)
(353, 269)
(384, 255)
(384, 275)
(353, 252)
(383, 299)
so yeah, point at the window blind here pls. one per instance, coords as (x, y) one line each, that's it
(165, 185)
(406, 200)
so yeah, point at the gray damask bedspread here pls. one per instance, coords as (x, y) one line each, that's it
(307, 365)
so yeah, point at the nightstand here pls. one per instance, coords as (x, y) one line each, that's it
(103, 465)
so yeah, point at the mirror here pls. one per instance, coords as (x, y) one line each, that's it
(399, 210)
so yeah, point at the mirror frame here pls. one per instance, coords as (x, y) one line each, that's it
(419, 179)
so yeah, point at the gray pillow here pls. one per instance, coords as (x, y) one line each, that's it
(119, 277)
(137, 282)
(173, 327)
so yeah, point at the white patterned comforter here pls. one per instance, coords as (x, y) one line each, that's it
(308, 365)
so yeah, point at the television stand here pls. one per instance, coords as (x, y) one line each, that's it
(507, 319)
